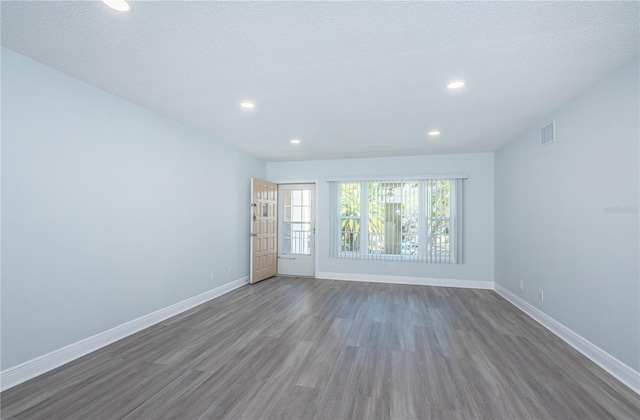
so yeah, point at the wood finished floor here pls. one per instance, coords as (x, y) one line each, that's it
(296, 348)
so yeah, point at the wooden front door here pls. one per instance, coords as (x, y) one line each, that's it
(264, 233)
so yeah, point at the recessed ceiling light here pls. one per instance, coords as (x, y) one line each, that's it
(456, 84)
(295, 141)
(118, 5)
(247, 104)
(434, 133)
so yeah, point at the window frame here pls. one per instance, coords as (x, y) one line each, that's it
(454, 223)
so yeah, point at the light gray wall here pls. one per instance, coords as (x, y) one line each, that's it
(553, 229)
(478, 217)
(109, 211)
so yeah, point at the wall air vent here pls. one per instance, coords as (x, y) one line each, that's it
(548, 134)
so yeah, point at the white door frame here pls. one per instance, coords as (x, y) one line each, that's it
(315, 209)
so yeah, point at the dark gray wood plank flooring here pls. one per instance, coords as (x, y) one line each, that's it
(298, 348)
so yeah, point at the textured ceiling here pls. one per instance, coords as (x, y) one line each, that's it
(347, 79)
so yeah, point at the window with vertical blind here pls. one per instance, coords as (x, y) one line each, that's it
(412, 219)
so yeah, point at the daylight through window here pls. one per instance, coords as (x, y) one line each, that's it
(412, 219)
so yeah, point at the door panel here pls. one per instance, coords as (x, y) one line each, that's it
(296, 230)
(264, 196)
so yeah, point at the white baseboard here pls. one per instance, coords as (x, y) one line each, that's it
(20, 373)
(420, 281)
(625, 374)
(31, 368)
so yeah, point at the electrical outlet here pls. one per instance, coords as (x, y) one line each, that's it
(229, 271)
(521, 284)
(541, 295)
(391, 266)
(213, 274)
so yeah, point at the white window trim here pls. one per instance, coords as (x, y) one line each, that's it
(455, 220)
(425, 177)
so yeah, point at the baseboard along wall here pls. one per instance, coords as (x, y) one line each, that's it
(420, 281)
(624, 373)
(18, 374)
